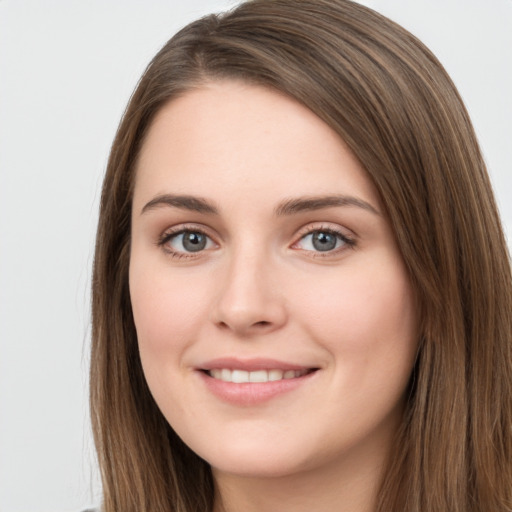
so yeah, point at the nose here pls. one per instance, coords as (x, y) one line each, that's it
(250, 301)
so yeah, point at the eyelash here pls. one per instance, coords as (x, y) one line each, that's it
(167, 236)
(347, 241)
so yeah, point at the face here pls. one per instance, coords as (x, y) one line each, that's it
(275, 319)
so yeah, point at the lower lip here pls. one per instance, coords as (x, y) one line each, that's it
(252, 393)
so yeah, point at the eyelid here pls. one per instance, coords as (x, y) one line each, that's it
(173, 231)
(347, 237)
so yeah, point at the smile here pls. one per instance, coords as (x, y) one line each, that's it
(254, 382)
(259, 376)
(249, 382)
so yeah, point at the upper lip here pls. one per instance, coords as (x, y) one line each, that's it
(249, 365)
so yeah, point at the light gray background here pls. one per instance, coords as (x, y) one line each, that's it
(67, 69)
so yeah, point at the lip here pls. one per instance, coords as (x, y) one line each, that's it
(252, 393)
(251, 365)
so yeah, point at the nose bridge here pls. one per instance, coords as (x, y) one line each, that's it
(249, 300)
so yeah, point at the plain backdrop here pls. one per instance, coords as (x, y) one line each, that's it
(67, 69)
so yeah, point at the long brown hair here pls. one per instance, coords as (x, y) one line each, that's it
(393, 104)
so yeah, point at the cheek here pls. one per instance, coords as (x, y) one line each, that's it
(366, 313)
(368, 325)
(167, 309)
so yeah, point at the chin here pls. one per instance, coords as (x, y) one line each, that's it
(250, 456)
(258, 467)
(265, 458)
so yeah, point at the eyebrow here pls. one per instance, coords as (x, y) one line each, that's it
(287, 207)
(191, 203)
(304, 204)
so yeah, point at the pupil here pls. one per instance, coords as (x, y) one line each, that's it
(323, 241)
(194, 242)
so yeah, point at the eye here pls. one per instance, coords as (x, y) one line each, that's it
(323, 240)
(186, 241)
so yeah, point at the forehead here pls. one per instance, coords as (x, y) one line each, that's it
(233, 139)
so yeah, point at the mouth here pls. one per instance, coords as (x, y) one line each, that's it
(239, 376)
(254, 382)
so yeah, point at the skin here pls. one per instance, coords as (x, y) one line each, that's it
(261, 289)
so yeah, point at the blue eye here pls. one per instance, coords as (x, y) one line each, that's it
(322, 241)
(188, 241)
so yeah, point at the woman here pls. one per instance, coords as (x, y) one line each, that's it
(301, 292)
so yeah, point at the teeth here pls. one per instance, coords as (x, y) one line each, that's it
(275, 375)
(242, 376)
(239, 376)
(259, 376)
